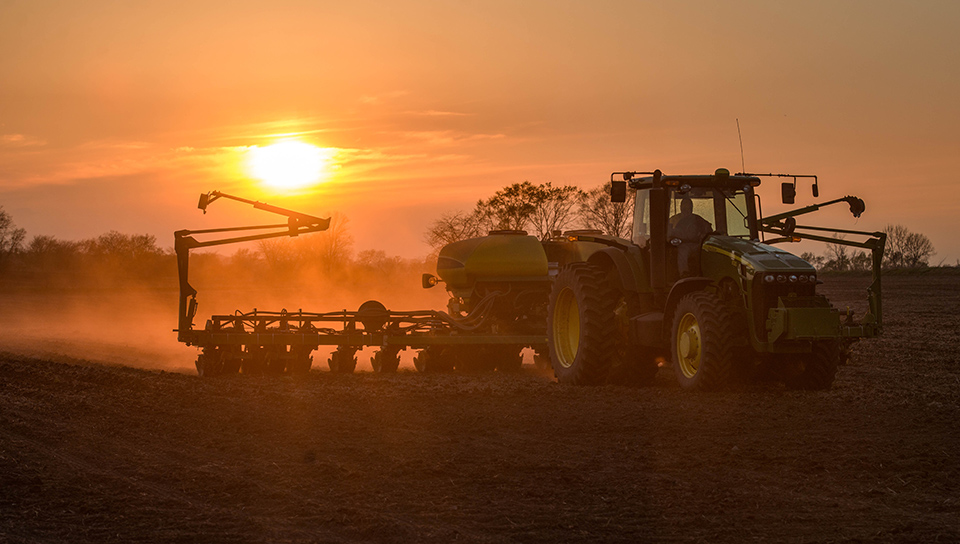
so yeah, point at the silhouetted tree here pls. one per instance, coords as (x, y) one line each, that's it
(838, 256)
(510, 208)
(596, 211)
(331, 249)
(816, 260)
(906, 249)
(11, 237)
(453, 227)
(554, 208)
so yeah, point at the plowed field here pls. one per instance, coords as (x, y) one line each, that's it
(106, 453)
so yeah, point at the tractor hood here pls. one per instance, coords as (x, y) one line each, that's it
(760, 257)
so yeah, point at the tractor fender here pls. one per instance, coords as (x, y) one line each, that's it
(611, 258)
(678, 291)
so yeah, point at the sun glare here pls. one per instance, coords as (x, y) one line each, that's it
(289, 165)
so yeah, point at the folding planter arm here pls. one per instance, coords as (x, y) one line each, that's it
(297, 224)
(785, 225)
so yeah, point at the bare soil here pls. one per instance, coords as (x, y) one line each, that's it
(104, 453)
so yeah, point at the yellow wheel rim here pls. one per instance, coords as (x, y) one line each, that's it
(689, 344)
(566, 328)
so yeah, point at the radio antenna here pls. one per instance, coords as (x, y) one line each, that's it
(742, 167)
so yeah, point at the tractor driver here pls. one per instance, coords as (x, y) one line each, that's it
(690, 229)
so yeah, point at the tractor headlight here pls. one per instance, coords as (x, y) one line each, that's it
(793, 278)
(803, 278)
(781, 278)
(769, 278)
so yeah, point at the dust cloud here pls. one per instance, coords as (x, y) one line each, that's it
(131, 323)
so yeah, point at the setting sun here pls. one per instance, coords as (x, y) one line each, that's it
(289, 165)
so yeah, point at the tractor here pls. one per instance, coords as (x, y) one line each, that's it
(699, 285)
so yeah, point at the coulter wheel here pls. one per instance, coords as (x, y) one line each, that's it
(704, 343)
(254, 361)
(433, 359)
(300, 360)
(343, 360)
(580, 325)
(386, 360)
(210, 362)
(275, 359)
(231, 357)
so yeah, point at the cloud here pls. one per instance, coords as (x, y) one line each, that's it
(20, 140)
(382, 97)
(447, 137)
(437, 113)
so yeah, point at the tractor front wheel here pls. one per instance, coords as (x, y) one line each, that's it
(580, 325)
(704, 341)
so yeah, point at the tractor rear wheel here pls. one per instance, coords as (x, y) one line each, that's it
(817, 369)
(704, 341)
(580, 325)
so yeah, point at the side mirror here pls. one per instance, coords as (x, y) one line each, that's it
(618, 191)
(788, 192)
(429, 280)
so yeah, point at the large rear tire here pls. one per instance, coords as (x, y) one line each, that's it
(704, 342)
(580, 326)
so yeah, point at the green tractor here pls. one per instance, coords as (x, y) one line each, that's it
(699, 285)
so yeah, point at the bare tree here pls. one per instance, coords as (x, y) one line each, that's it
(331, 249)
(598, 212)
(278, 253)
(816, 260)
(11, 237)
(906, 249)
(861, 261)
(554, 208)
(838, 256)
(453, 227)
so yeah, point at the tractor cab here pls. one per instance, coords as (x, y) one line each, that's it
(674, 216)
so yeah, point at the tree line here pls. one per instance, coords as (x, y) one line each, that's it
(116, 259)
(904, 249)
(542, 210)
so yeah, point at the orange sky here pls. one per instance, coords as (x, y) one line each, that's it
(115, 115)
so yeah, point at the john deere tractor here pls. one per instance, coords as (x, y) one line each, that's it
(699, 285)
